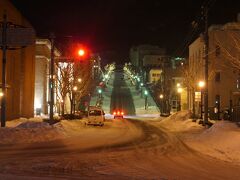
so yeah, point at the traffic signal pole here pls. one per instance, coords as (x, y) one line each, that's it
(4, 59)
(51, 77)
(206, 39)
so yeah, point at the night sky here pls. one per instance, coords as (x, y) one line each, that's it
(116, 25)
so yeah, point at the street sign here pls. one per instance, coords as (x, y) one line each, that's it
(197, 96)
(18, 36)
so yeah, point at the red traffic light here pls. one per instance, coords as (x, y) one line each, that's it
(81, 52)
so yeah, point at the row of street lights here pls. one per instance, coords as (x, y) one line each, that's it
(139, 84)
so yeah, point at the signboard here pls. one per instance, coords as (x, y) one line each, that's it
(197, 96)
(19, 36)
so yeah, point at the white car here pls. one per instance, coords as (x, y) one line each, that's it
(95, 116)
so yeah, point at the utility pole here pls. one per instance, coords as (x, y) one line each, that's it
(51, 78)
(146, 101)
(206, 42)
(4, 59)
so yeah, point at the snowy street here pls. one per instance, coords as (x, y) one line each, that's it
(141, 146)
(123, 149)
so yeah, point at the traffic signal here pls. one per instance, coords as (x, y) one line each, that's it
(81, 52)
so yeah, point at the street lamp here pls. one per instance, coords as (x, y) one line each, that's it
(100, 92)
(75, 88)
(141, 86)
(146, 96)
(161, 98)
(179, 90)
(74, 101)
(79, 80)
(201, 85)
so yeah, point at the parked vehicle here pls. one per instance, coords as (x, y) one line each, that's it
(95, 116)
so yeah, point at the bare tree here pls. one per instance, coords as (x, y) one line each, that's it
(229, 44)
(63, 78)
(192, 74)
(82, 80)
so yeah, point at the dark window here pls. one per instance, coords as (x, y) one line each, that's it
(217, 52)
(217, 77)
(217, 99)
(95, 113)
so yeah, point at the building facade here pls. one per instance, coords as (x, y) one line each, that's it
(137, 53)
(43, 56)
(223, 80)
(20, 72)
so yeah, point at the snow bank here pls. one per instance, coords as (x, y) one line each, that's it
(72, 133)
(31, 124)
(29, 132)
(179, 122)
(220, 141)
(16, 122)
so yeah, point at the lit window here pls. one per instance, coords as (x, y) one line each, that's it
(238, 83)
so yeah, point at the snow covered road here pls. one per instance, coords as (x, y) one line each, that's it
(123, 150)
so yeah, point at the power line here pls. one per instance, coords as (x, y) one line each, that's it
(195, 28)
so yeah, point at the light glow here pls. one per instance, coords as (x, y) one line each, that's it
(179, 90)
(75, 88)
(81, 52)
(79, 80)
(201, 84)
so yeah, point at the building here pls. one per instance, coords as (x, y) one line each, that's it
(96, 66)
(137, 53)
(20, 72)
(154, 75)
(43, 56)
(168, 81)
(223, 80)
(146, 57)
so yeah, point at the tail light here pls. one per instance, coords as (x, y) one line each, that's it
(118, 112)
(114, 113)
(122, 113)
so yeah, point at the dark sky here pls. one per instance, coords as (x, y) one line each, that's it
(116, 25)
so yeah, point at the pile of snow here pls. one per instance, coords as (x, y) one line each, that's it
(31, 124)
(16, 122)
(220, 141)
(180, 122)
(29, 132)
(73, 133)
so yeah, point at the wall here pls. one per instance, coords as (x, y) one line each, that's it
(20, 70)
